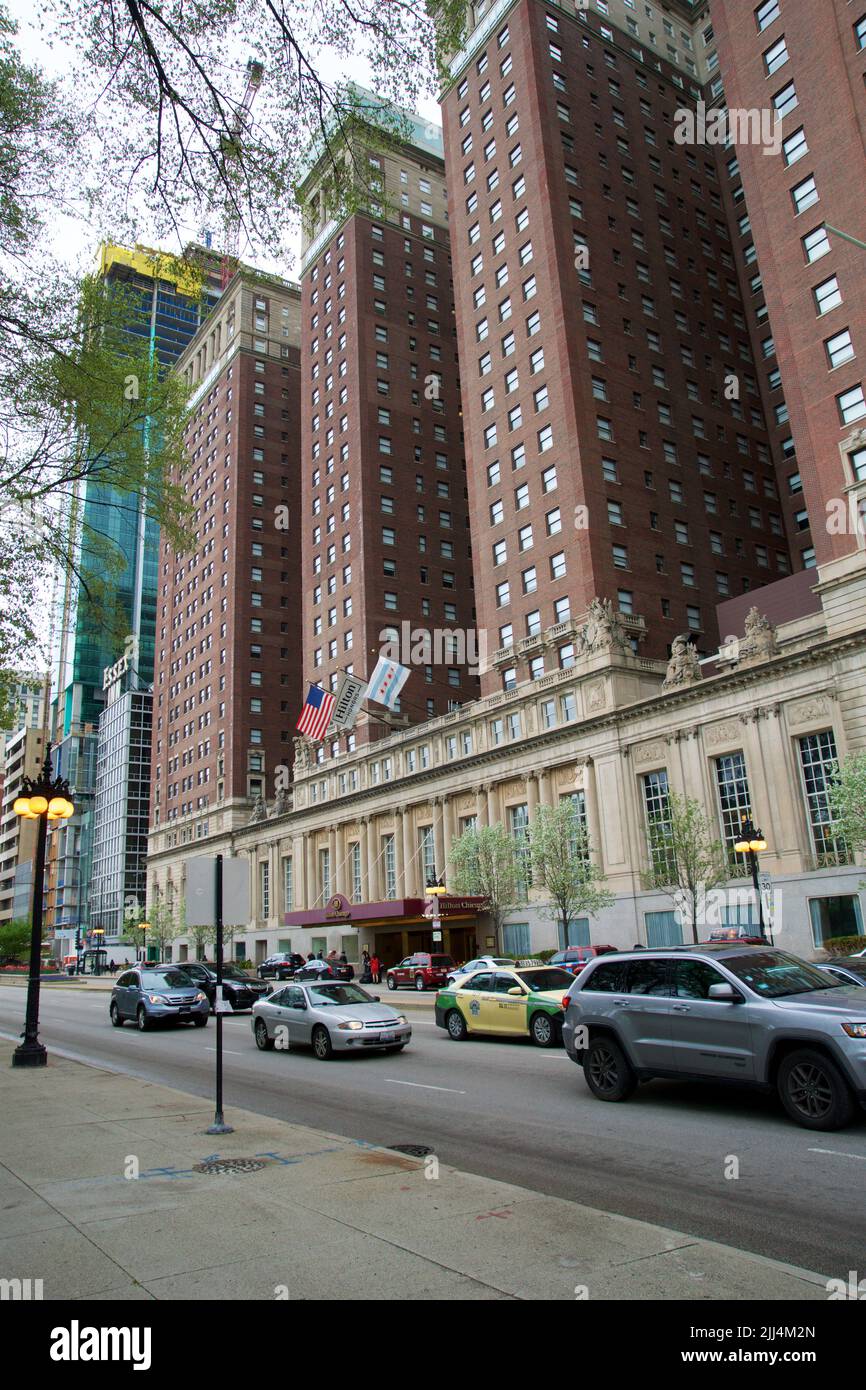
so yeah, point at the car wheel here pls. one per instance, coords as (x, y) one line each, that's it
(392, 983)
(141, 1019)
(200, 1020)
(322, 1045)
(116, 1015)
(543, 1030)
(263, 1042)
(456, 1025)
(608, 1074)
(814, 1092)
(419, 982)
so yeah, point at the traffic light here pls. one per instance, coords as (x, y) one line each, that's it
(78, 938)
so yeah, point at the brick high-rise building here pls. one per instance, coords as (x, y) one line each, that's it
(228, 673)
(615, 414)
(386, 543)
(808, 66)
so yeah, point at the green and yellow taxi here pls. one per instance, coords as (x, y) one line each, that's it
(516, 1002)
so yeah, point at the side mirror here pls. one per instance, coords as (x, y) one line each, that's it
(726, 993)
(515, 989)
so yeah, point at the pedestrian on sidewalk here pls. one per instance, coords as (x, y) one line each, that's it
(375, 967)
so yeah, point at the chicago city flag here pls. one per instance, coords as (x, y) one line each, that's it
(386, 682)
(316, 714)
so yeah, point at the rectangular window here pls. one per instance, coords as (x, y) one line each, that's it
(657, 813)
(734, 803)
(818, 763)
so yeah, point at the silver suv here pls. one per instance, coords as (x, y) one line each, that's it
(750, 1015)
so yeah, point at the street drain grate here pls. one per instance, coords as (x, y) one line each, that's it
(413, 1150)
(229, 1165)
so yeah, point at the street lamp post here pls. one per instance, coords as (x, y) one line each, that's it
(750, 843)
(45, 798)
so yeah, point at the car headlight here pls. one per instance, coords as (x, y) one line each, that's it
(402, 1019)
(352, 1025)
(199, 997)
(855, 1030)
(157, 999)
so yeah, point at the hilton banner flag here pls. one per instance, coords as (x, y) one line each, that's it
(316, 714)
(386, 682)
(349, 696)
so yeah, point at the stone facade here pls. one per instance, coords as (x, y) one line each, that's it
(605, 730)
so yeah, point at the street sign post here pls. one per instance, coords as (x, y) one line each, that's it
(218, 895)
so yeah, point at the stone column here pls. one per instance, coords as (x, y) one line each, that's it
(493, 812)
(439, 834)
(372, 866)
(481, 804)
(585, 778)
(365, 859)
(332, 861)
(410, 862)
(311, 870)
(545, 788)
(299, 875)
(341, 877)
(531, 795)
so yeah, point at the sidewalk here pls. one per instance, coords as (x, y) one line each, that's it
(324, 1217)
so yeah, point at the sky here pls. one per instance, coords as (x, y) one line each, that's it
(76, 244)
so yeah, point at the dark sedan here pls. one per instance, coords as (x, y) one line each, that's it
(239, 989)
(848, 970)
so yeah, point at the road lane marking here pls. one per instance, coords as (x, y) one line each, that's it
(837, 1153)
(421, 1087)
(228, 1051)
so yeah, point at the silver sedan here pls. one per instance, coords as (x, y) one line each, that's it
(331, 1016)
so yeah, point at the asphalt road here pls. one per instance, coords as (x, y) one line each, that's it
(514, 1112)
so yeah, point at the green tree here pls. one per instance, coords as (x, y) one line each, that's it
(687, 860)
(562, 862)
(82, 403)
(486, 862)
(848, 802)
(15, 940)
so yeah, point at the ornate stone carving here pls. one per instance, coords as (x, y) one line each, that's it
(259, 811)
(722, 733)
(759, 642)
(684, 667)
(303, 753)
(650, 752)
(603, 630)
(596, 695)
(282, 804)
(806, 711)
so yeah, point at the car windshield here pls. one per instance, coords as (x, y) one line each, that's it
(445, 961)
(165, 979)
(339, 994)
(231, 972)
(547, 979)
(774, 974)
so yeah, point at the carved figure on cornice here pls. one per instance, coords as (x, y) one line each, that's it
(759, 642)
(684, 668)
(303, 753)
(282, 803)
(603, 629)
(259, 811)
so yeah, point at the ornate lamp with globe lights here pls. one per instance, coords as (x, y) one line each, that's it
(45, 798)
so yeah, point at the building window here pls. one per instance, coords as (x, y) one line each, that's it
(428, 854)
(834, 917)
(734, 803)
(390, 867)
(264, 891)
(817, 766)
(288, 887)
(356, 873)
(656, 799)
(324, 874)
(518, 825)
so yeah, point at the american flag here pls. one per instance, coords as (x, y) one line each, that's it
(316, 714)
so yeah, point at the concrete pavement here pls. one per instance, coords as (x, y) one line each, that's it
(323, 1217)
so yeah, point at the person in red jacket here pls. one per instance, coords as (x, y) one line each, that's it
(375, 968)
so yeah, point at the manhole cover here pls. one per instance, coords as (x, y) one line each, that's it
(229, 1165)
(414, 1150)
